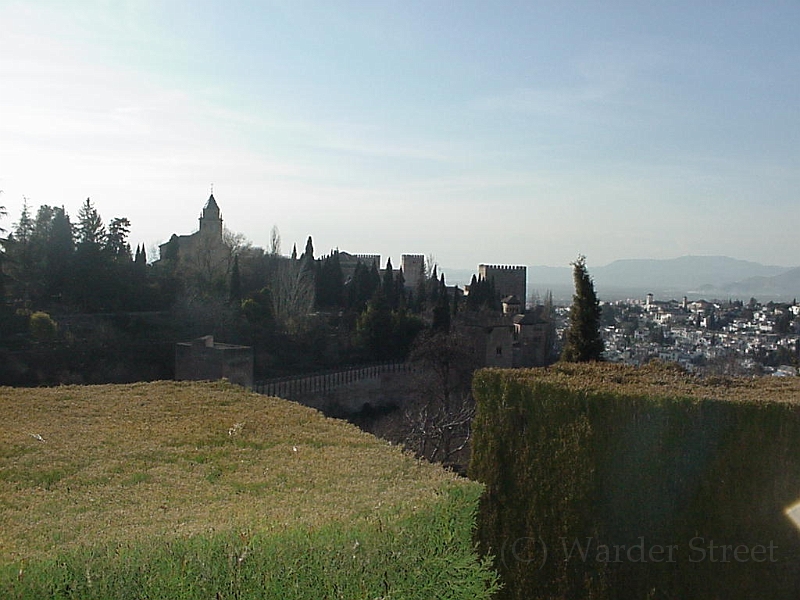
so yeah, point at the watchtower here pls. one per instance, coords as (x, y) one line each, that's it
(508, 280)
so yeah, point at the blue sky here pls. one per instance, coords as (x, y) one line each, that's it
(499, 132)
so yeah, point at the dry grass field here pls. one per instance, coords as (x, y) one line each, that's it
(106, 465)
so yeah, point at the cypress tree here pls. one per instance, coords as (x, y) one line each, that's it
(441, 311)
(584, 342)
(433, 286)
(373, 280)
(400, 299)
(236, 283)
(421, 291)
(473, 299)
(388, 285)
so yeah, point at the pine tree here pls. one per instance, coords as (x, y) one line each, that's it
(90, 230)
(116, 241)
(584, 342)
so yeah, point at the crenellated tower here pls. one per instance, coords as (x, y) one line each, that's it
(509, 280)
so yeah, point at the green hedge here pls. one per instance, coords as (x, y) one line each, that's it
(429, 554)
(609, 482)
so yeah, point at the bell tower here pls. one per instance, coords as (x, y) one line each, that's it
(210, 219)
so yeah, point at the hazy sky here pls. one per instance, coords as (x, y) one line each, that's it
(502, 132)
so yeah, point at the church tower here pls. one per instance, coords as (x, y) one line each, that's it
(210, 219)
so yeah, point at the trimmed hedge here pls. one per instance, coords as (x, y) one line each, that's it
(613, 482)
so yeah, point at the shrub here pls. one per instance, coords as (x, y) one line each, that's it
(612, 482)
(42, 327)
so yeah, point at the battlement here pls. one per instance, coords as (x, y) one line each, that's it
(502, 268)
(368, 258)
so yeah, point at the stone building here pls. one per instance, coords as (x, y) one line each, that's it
(204, 359)
(348, 262)
(531, 339)
(203, 253)
(413, 266)
(507, 340)
(508, 280)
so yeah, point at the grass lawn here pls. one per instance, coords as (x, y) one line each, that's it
(89, 466)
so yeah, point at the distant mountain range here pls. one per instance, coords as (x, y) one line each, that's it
(709, 277)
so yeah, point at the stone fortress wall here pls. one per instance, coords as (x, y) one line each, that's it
(508, 280)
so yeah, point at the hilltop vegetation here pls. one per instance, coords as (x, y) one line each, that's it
(194, 489)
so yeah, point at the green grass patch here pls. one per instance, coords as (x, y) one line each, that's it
(186, 490)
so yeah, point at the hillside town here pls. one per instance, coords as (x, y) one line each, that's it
(730, 338)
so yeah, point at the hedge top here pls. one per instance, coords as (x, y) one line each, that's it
(658, 380)
(99, 465)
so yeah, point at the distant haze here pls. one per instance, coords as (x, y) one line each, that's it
(500, 132)
(709, 277)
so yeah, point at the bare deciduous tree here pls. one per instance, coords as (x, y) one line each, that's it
(274, 241)
(440, 417)
(292, 292)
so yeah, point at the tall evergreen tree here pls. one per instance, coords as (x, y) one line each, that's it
(584, 342)
(91, 285)
(236, 284)
(20, 249)
(387, 285)
(374, 328)
(90, 230)
(3, 243)
(308, 254)
(116, 241)
(400, 299)
(59, 255)
(23, 231)
(140, 262)
(433, 287)
(421, 293)
(441, 310)
(330, 282)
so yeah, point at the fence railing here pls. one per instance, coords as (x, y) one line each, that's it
(325, 381)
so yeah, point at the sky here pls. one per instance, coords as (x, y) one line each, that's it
(501, 132)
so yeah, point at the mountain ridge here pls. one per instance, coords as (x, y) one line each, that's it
(713, 276)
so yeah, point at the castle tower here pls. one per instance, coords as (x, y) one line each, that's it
(508, 280)
(413, 266)
(211, 219)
